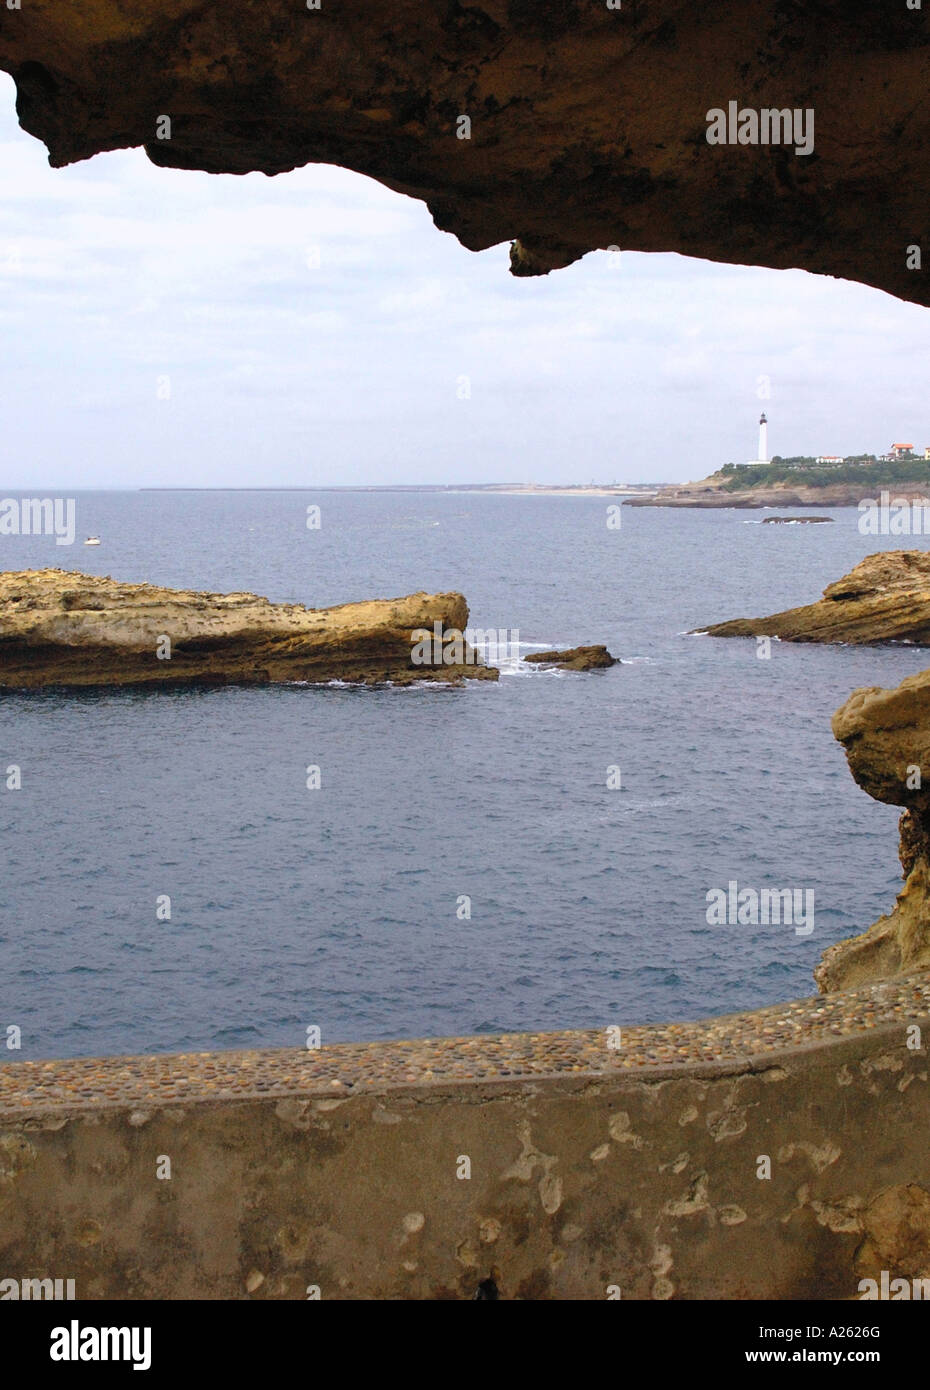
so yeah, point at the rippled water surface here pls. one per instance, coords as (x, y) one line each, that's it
(337, 907)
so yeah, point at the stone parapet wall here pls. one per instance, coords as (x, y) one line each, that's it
(556, 1166)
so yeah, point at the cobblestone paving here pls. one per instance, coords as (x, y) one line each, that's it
(354, 1068)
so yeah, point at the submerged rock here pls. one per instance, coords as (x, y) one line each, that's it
(576, 658)
(60, 628)
(794, 520)
(885, 598)
(886, 735)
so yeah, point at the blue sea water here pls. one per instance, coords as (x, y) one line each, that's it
(337, 908)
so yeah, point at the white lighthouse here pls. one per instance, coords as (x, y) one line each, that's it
(763, 454)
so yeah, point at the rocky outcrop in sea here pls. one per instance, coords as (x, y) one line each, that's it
(885, 598)
(61, 628)
(575, 658)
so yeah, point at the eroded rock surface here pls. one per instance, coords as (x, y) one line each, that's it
(712, 493)
(576, 658)
(61, 628)
(587, 124)
(885, 598)
(886, 735)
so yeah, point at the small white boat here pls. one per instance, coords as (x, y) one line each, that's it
(92, 540)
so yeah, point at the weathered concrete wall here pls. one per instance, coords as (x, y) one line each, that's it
(589, 1166)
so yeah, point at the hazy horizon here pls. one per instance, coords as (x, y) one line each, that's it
(332, 487)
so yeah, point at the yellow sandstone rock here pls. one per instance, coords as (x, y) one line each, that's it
(886, 735)
(60, 628)
(885, 598)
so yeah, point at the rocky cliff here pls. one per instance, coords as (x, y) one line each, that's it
(885, 598)
(710, 493)
(567, 126)
(60, 628)
(886, 735)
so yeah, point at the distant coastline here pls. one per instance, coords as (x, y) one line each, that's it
(503, 489)
(593, 490)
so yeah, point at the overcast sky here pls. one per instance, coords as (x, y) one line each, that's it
(162, 327)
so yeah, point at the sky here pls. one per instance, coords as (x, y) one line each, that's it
(171, 328)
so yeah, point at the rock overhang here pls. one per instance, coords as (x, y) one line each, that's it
(586, 125)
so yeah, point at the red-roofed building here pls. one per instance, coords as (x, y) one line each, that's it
(898, 451)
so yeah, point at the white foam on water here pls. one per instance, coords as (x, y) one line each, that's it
(517, 666)
(369, 685)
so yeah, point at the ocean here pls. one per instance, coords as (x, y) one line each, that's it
(344, 908)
